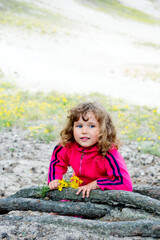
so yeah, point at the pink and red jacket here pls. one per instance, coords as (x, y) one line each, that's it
(89, 165)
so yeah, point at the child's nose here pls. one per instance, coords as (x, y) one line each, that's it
(84, 129)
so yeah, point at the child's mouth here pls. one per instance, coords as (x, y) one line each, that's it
(84, 139)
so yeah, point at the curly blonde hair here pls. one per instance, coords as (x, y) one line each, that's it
(107, 135)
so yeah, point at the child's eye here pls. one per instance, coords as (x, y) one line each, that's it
(92, 126)
(79, 126)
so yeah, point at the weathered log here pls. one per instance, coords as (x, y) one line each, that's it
(33, 192)
(109, 213)
(128, 214)
(112, 197)
(87, 210)
(151, 191)
(144, 228)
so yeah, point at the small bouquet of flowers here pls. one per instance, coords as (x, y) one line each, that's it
(74, 183)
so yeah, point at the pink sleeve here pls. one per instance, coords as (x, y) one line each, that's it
(117, 176)
(58, 164)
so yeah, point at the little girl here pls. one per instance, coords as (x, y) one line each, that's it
(89, 145)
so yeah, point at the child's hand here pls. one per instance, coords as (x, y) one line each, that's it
(87, 188)
(54, 184)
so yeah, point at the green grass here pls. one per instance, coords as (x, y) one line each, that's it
(144, 72)
(32, 17)
(116, 8)
(148, 44)
(42, 191)
(150, 147)
(29, 15)
(43, 115)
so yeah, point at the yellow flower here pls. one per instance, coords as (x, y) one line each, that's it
(8, 124)
(63, 183)
(64, 100)
(122, 132)
(60, 188)
(75, 183)
(138, 139)
(46, 131)
(154, 111)
(115, 108)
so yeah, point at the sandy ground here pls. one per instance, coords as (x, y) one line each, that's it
(97, 52)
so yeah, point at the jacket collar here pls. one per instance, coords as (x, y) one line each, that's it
(93, 148)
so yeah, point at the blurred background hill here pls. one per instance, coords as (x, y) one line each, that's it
(83, 46)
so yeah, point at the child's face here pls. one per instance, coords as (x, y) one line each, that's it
(86, 132)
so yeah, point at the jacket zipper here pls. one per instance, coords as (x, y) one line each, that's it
(80, 168)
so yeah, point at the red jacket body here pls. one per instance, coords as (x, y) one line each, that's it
(89, 165)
